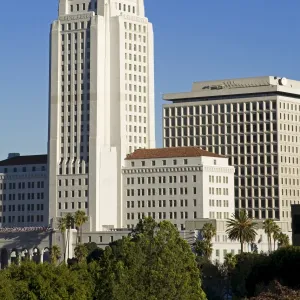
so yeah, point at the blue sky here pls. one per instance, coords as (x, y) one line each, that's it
(194, 40)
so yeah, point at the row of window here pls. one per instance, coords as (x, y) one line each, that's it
(245, 190)
(136, 68)
(160, 191)
(255, 203)
(160, 203)
(128, 97)
(218, 215)
(255, 118)
(218, 191)
(136, 108)
(218, 179)
(212, 145)
(74, 107)
(208, 126)
(21, 207)
(135, 27)
(126, 8)
(22, 185)
(83, 7)
(135, 37)
(73, 182)
(161, 215)
(160, 163)
(218, 203)
(160, 179)
(263, 214)
(73, 194)
(289, 117)
(134, 88)
(220, 108)
(21, 219)
(72, 205)
(136, 48)
(24, 169)
(22, 196)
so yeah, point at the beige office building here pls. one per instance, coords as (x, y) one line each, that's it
(255, 122)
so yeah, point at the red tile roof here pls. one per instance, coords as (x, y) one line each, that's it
(170, 152)
(24, 160)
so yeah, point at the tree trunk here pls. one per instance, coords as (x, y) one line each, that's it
(242, 245)
(68, 241)
(81, 234)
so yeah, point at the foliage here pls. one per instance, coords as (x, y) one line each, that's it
(283, 240)
(276, 231)
(55, 254)
(276, 291)
(269, 227)
(80, 218)
(47, 282)
(213, 279)
(204, 247)
(153, 263)
(241, 228)
(208, 231)
(81, 253)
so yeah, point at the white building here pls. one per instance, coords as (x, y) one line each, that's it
(24, 191)
(222, 245)
(253, 121)
(176, 184)
(101, 104)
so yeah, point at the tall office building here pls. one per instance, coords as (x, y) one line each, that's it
(255, 122)
(101, 104)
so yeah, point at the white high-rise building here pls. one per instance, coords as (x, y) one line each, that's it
(253, 121)
(101, 104)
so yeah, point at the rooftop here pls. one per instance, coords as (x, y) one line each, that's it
(170, 152)
(24, 160)
(238, 86)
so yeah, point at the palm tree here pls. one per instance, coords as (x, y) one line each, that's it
(62, 228)
(276, 230)
(81, 252)
(283, 240)
(241, 228)
(69, 224)
(268, 227)
(208, 231)
(203, 248)
(80, 219)
(55, 254)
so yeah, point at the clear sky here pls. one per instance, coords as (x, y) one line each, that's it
(194, 40)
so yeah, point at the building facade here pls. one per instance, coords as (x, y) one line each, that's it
(24, 192)
(253, 121)
(101, 104)
(176, 184)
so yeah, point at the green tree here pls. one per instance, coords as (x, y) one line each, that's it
(276, 231)
(283, 240)
(241, 228)
(69, 219)
(153, 263)
(268, 227)
(81, 252)
(208, 231)
(203, 248)
(55, 254)
(62, 228)
(80, 218)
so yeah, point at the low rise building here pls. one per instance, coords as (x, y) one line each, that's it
(176, 184)
(23, 191)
